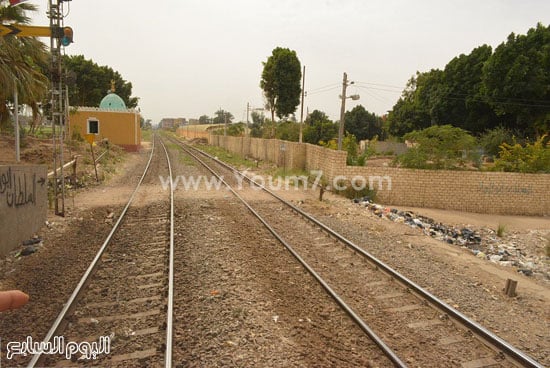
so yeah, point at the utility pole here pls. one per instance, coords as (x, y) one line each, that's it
(247, 121)
(224, 123)
(16, 118)
(302, 108)
(342, 111)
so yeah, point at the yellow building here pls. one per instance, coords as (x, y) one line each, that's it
(112, 120)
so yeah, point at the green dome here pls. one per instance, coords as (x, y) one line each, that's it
(113, 102)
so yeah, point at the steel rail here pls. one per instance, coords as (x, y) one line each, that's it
(390, 354)
(170, 312)
(80, 286)
(490, 338)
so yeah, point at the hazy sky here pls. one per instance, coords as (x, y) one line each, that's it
(187, 58)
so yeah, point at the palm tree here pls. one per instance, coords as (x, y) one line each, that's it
(21, 63)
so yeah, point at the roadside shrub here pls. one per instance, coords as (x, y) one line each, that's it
(531, 158)
(351, 193)
(439, 147)
(492, 139)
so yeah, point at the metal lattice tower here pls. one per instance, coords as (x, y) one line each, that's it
(58, 104)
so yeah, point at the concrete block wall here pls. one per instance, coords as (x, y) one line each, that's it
(23, 203)
(395, 147)
(329, 161)
(292, 156)
(191, 133)
(472, 191)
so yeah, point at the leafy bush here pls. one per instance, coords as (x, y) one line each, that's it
(349, 143)
(234, 130)
(439, 147)
(347, 190)
(288, 131)
(491, 140)
(531, 158)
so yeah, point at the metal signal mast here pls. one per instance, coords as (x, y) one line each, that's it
(59, 36)
(57, 101)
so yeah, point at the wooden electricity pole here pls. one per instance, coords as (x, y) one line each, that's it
(302, 108)
(342, 111)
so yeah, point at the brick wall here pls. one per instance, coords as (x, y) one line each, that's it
(191, 133)
(23, 203)
(292, 155)
(472, 191)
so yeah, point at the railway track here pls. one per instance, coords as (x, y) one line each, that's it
(120, 314)
(410, 325)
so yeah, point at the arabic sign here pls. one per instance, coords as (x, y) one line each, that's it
(90, 138)
(23, 203)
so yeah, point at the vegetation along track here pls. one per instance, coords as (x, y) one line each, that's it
(409, 324)
(123, 301)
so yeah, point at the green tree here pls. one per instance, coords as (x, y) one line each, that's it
(223, 117)
(429, 95)
(318, 127)
(92, 82)
(258, 124)
(439, 147)
(362, 124)
(288, 131)
(146, 124)
(236, 130)
(204, 119)
(280, 82)
(463, 104)
(516, 80)
(482, 90)
(406, 114)
(21, 62)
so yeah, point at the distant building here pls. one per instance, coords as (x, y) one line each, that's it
(172, 123)
(180, 122)
(167, 123)
(112, 120)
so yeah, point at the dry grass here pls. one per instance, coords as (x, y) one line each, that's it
(501, 230)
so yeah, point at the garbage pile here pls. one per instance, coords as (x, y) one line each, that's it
(483, 243)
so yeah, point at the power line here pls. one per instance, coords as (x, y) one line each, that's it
(381, 85)
(329, 85)
(309, 93)
(379, 89)
(372, 94)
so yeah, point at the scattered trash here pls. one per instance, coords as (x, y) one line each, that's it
(28, 250)
(32, 241)
(481, 255)
(483, 243)
(451, 235)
